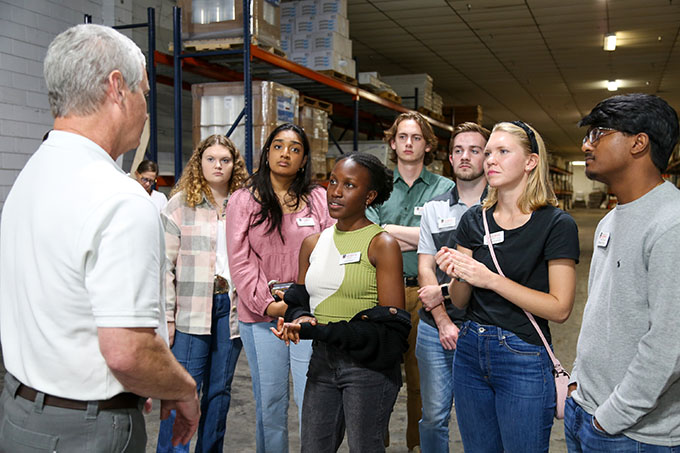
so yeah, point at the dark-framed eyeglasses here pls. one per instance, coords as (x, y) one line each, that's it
(597, 133)
(147, 180)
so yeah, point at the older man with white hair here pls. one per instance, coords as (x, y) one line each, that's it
(82, 320)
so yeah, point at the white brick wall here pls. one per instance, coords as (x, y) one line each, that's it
(26, 29)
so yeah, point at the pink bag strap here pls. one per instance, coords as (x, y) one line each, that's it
(559, 369)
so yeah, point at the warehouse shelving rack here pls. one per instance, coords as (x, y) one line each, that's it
(252, 62)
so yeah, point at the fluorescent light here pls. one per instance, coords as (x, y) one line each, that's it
(613, 85)
(578, 163)
(610, 42)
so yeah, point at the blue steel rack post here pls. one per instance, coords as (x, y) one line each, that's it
(247, 111)
(151, 68)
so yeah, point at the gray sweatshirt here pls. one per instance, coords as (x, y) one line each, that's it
(628, 355)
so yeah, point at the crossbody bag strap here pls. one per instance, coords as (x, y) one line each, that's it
(556, 363)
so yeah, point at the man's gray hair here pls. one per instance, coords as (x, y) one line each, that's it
(78, 64)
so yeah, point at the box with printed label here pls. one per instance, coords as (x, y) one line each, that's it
(305, 24)
(307, 8)
(325, 60)
(332, 22)
(302, 42)
(332, 6)
(289, 9)
(214, 19)
(332, 41)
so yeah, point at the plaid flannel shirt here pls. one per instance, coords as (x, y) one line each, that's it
(190, 244)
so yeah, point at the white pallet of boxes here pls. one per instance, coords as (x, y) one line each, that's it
(315, 34)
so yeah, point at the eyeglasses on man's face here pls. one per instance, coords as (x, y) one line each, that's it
(147, 180)
(597, 133)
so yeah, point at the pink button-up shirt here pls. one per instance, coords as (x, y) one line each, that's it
(255, 257)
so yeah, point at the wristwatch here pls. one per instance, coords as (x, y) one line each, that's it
(445, 292)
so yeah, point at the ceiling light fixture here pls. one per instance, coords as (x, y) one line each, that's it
(613, 85)
(578, 163)
(610, 42)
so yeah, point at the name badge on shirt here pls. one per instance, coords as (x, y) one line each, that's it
(418, 210)
(603, 240)
(305, 221)
(496, 238)
(448, 223)
(348, 258)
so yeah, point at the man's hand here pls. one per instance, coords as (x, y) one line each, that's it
(448, 335)
(430, 296)
(187, 415)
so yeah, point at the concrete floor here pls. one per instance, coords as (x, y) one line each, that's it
(241, 420)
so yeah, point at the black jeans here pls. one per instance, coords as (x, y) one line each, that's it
(342, 394)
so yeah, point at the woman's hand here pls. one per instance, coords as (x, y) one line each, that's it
(290, 331)
(444, 259)
(469, 269)
(171, 333)
(276, 309)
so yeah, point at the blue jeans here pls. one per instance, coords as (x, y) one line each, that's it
(504, 391)
(436, 388)
(583, 436)
(211, 360)
(270, 362)
(343, 394)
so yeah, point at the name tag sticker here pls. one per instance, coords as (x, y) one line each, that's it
(418, 210)
(496, 238)
(305, 221)
(603, 240)
(348, 258)
(448, 223)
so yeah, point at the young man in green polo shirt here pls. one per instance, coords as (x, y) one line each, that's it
(413, 143)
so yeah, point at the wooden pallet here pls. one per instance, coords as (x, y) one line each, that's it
(316, 103)
(200, 45)
(339, 76)
(390, 96)
(431, 114)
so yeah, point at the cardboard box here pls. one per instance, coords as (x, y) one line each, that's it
(305, 24)
(302, 42)
(288, 10)
(307, 8)
(332, 6)
(325, 60)
(216, 106)
(287, 26)
(331, 41)
(405, 84)
(314, 121)
(332, 22)
(212, 19)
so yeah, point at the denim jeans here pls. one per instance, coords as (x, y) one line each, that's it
(343, 394)
(211, 360)
(504, 391)
(436, 388)
(583, 436)
(270, 362)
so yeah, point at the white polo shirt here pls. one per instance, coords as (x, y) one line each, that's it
(81, 247)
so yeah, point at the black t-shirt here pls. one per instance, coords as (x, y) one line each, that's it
(523, 256)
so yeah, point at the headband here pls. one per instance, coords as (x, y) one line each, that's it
(530, 134)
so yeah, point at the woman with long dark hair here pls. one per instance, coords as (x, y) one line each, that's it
(269, 219)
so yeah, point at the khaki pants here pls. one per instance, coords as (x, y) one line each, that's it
(413, 403)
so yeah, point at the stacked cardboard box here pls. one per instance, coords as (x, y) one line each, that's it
(315, 33)
(216, 19)
(216, 106)
(405, 85)
(314, 122)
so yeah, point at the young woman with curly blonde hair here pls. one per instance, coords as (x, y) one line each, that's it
(200, 297)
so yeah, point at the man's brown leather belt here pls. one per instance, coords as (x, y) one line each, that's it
(120, 401)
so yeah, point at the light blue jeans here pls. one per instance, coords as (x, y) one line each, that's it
(436, 389)
(583, 436)
(270, 362)
(504, 391)
(211, 361)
